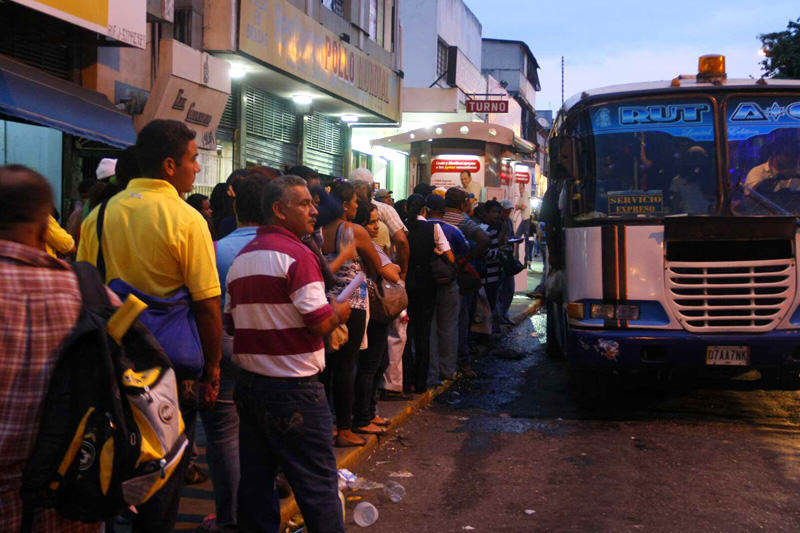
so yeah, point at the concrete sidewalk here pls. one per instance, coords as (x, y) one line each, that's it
(197, 501)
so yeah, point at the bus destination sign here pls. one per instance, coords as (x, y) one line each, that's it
(627, 203)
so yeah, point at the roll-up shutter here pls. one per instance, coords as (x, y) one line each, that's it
(324, 146)
(228, 121)
(271, 130)
(36, 39)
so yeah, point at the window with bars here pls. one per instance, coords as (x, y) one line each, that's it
(441, 58)
(324, 134)
(269, 116)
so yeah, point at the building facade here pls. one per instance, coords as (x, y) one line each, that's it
(304, 73)
(443, 81)
(79, 79)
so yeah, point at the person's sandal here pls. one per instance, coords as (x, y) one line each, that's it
(194, 475)
(380, 421)
(371, 429)
(346, 439)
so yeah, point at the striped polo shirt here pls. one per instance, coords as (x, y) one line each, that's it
(274, 293)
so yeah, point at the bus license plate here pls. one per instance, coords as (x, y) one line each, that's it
(728, 355)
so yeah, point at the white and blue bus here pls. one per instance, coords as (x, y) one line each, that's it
(676, 205)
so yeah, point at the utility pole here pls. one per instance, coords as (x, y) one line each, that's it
(562, 81)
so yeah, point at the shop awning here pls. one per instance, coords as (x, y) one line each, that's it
(476, 131)
(31, 95)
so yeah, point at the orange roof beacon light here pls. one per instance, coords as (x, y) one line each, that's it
(711, 68)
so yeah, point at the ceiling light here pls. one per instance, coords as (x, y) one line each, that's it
(349, 118)
(464, 130)
(438, 131)
(237, 71)
(302, 99)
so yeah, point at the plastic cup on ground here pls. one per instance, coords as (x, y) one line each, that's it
(365, 514)
(394, 491)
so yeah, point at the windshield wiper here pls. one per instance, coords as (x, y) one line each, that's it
(763, 200)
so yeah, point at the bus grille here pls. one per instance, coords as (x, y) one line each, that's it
(748, 296)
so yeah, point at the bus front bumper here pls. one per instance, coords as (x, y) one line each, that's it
(648, 348)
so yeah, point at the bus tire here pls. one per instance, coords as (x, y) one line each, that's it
(556, 331)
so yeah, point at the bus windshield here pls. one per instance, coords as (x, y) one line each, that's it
(764, 154)
(647, 159)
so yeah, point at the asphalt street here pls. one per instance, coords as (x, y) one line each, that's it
(519, 449)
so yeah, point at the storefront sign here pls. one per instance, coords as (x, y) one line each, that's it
(446, 169)
(487, 106)
(284, 37)
(635, 203)
(522, 176)
(122, 20)
(192, 87)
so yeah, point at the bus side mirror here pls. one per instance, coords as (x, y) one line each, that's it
(563, 157)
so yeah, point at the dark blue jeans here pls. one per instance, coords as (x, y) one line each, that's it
(286, 425)
(221, 424)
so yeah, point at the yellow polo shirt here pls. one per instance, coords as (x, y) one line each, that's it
(153, 240)
(58, 240)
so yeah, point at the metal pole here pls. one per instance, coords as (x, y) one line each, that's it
(562, 81)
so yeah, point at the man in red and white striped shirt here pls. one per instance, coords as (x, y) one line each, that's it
(277, 312)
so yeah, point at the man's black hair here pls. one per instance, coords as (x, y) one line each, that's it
(423, 189)
(455, 197)
(196, 200)
(25, 196)
(248, 198)
(467, 171)
(86, 185)
(275, 190)
(127, 166)
(235, 177)
(493, 204)
(307, 173)
(158, 140)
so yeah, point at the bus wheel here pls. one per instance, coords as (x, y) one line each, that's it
(556, 331)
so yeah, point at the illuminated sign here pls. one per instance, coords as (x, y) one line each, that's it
(283, 36)
(487, 106)
(752, 112)
(455, 165)
(626, 203)
(522, 176)
(693, 120)
(749, 117)
(663, 114)
(446, 169)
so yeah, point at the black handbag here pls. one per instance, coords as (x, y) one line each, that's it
(510, 265)
(443, 271)
(386, 300)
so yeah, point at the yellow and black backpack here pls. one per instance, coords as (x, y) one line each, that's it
(111, 432)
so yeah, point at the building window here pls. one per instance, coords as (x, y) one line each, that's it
(183, 26)
(441, 59)
(337, 6)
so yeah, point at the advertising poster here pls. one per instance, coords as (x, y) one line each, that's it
(446, 169)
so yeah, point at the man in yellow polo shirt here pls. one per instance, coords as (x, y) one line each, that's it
(157, 244)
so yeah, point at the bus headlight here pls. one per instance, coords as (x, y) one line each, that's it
(576, 310)
(604, 311)
(614, 311)
(627, 312)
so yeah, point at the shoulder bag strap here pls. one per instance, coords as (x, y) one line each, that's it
(93, 290)
(101, 263)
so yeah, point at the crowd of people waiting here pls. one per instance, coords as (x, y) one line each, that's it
(282, 273)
